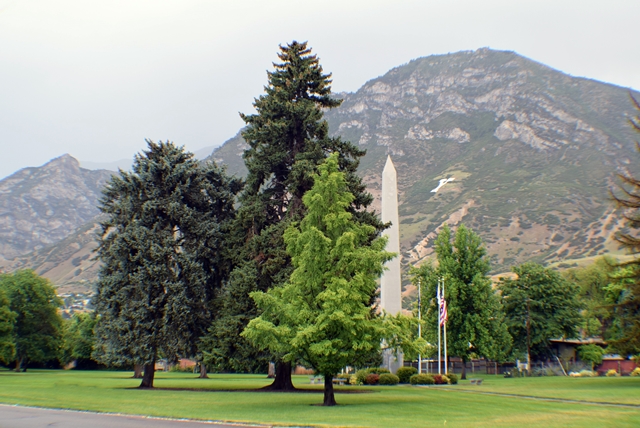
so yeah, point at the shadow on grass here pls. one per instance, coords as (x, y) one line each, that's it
(264, 391)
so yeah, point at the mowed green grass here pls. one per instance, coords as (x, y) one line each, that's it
(401, 406)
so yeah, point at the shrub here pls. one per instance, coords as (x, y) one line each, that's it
(378, 370)
(440, 379)
(372, 379)
(587, 373)
(635, 372)
(353, 380)
(360, 376)
(178, 368)
(612, 373)
(405, 373)
(388, 379)
(421, 379)
(453, 378)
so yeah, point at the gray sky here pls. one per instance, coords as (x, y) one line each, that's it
(95, 78)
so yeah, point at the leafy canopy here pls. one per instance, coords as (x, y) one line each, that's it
(475, 326)
(37, 331)
(539, 305)
(322, 315)
(7, 320)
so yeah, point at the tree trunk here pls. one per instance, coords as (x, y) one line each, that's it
(203, 371)
(137, 371)
(147, 377)
(329, 398)
(463, 375)
(282, 382)
(18, 364)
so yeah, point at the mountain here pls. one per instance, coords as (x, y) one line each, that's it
(125, 164)
(42, 209)
(533, 153)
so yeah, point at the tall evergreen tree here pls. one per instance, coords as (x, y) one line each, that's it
(163, 253)
(628, 309)
(287, 139)
(322, 315)
(476, 321)
(539, 305)
(37, 332)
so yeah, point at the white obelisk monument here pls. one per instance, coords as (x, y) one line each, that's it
(390, 282)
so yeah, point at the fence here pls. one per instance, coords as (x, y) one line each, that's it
(482, 366)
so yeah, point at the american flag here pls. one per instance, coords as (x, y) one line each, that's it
(443, 311)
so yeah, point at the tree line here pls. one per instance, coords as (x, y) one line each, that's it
(282, 266)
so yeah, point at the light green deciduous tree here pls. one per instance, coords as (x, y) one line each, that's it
(323, 315)
(539, 305)
(476, 321)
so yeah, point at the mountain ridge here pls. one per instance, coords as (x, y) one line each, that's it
(533, 152)
(516, 134)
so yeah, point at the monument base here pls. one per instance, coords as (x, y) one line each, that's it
(391, 361)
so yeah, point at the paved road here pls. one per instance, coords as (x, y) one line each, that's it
(34, 417)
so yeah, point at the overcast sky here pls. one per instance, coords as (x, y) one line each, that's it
(95, 78)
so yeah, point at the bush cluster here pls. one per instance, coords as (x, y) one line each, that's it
(612, 373)
(405, 373)
(440, 379)
(453, 378)
(588, 373)
(635, 372)
(421, 379)
(361, 375)
(388, 379)
(372, 379)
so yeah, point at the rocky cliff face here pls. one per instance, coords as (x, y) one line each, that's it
(533, 152)
(42, 206)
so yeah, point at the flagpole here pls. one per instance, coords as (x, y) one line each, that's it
(446, 361)
(439, 330)
(419, 324)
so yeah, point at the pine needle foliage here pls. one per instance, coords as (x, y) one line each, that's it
(163, 251)
(322, 315)
(628, 309)
(288, 138)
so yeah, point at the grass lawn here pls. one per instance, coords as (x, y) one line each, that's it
(402, 405)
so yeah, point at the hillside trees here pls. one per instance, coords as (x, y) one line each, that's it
(37, 329)
(287, 139)
(476, 322)
(322, 315)
(163, 252)
(628, 309)
(539, 305)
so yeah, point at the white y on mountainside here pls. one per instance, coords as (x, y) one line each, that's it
(443, 181)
